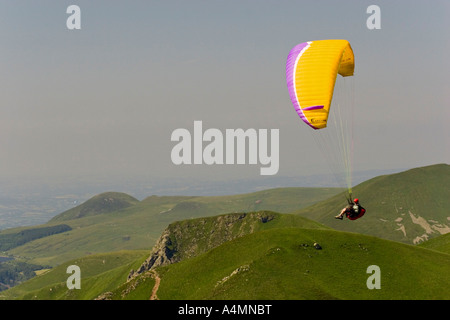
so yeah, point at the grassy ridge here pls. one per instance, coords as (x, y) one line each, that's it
(185, 239)
(283, 264)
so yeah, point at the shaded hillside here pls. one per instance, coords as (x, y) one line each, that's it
(9, 240)
(103, 203)
(99, 273)
(411, 206)
(14, 272)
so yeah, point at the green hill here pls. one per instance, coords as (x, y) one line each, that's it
(284, 264)
(280, 266)
(103, 203)
(186, 239)
(100, 225)
(411, 206)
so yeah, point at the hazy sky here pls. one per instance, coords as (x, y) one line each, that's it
(105, 99)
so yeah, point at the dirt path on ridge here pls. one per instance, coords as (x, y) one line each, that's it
(156, 286)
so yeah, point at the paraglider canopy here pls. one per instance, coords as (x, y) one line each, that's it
(311, 71)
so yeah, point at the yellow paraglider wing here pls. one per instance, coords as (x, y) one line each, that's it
(311, 71)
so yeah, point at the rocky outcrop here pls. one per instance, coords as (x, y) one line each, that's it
(188, 238)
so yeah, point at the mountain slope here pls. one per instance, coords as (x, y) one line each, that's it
(411, 206)
(189, 238)
(284, 264)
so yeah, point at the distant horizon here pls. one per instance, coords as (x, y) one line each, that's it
(38, 201)
(145, 175)
(118, 177)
